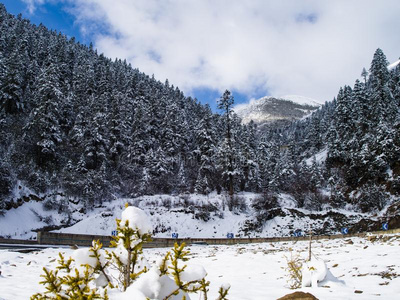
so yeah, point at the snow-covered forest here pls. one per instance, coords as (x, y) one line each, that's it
(83, 128)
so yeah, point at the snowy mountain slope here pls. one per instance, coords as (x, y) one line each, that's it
(270, 109)
(188, 215)
(33, 216)
(306, 101)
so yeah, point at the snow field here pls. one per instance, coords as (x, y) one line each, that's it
(255, 271)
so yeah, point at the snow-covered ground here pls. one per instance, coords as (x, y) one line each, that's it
(195, 216)
(255, 271)
(18, 223)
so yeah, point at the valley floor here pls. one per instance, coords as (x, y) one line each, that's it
(257, 271)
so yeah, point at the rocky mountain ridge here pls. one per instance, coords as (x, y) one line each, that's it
(271, 109)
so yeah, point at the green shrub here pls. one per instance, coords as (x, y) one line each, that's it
(95, 273)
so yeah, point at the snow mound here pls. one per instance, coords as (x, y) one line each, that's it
(331, 280)
(147, 285)
(128, 295)
(313, 271)
(138, 220)
(193, 273)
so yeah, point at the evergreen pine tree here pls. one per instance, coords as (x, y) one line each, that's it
(225, 104)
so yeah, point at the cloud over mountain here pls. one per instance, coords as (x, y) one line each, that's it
(258, 47)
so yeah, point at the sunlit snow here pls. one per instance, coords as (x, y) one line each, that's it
(256, 271)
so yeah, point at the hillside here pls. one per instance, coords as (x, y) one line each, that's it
(78, 125)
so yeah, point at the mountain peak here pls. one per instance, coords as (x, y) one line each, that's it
(270, 109)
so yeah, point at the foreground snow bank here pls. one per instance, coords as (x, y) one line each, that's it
(255, 271)
(125, 273)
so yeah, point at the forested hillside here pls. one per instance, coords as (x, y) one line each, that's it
(83, 128)
(77, 124)
(359, 131)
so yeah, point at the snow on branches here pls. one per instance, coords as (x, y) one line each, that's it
(124, 273)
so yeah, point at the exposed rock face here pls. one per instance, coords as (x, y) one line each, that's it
(271, 109)
(299, 296)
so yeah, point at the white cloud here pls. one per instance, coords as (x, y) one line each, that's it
(309, 48)
(32, 4)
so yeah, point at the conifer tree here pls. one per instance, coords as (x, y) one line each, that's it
(225, 104)
(206, 153)
(11, 94)
(44, 119)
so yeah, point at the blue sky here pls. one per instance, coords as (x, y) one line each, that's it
(54, 15)
(253, 48)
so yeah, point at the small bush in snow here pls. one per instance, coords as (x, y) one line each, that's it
(302, 273)
(202, 215)
(237, 203)
(50, 204)
(124, 273)
(265, 202)
(185, 201)
(166, 203)
(71, 283)
(294, 270)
